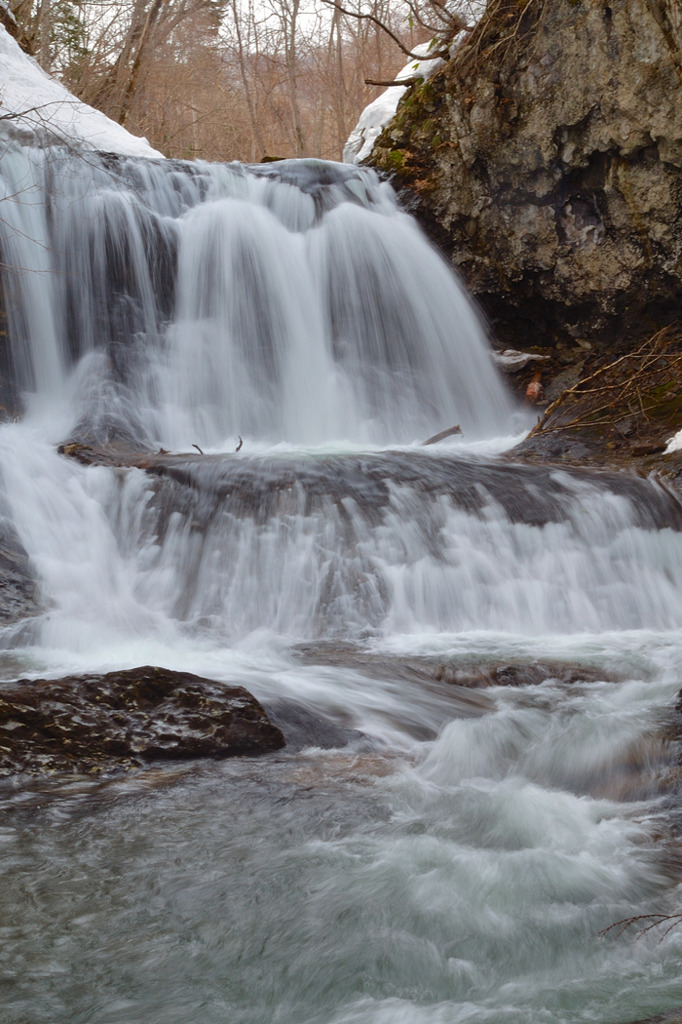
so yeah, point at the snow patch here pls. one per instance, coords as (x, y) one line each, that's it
(33, 101)
(377, 114)
(674, 443)
(511, 359)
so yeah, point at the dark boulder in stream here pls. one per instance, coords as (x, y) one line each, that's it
(122, 720)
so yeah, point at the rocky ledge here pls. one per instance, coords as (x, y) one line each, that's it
(672, 1017)
(122, 720)
(458, 673)
(621, 413)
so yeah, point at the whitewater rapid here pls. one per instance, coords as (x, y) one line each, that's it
(425, 850)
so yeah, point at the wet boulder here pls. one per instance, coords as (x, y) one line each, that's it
(305, 728)
(122, 720)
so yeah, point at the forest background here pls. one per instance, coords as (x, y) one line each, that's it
(233, 79)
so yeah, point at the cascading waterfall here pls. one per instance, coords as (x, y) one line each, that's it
(456, 860)
(299, 306)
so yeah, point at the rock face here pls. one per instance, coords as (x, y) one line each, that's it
(546, 159)
(19, 596)
(100, 723)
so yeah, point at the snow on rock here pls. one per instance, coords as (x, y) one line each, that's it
(377, 114)
(674, 443)
(34, 102)
(511, 359)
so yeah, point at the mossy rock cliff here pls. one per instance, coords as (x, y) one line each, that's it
(546, 159)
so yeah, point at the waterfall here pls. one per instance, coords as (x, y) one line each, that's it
(493, 648)
(295, 304)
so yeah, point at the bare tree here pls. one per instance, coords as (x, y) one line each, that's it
(229, 79)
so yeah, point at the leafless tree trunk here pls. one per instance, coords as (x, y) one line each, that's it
(258, 145)
(143, 36)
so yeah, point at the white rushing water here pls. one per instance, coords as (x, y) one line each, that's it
(293, 306)
(453, 854)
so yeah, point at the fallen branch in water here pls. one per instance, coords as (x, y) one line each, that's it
(450, 432)
(672, 920)
(197, 448)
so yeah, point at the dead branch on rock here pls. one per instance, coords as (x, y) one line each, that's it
(503, 24)
(641, 384)
(388, 83)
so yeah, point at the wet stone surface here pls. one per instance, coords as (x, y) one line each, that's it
(455, 672)
(124, 720)
(673, 1017)
(303, 728)
(202, 487)
(19, 596)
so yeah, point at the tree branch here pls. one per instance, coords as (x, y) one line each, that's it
(413, 80)
(384, 28)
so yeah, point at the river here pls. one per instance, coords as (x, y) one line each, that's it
(433, 846)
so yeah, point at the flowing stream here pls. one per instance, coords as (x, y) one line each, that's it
(424, 850)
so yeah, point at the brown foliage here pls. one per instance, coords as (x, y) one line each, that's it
(227, 79)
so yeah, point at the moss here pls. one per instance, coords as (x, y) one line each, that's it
(408, 101)
(395, 158)
(424, 92)
(660, 393)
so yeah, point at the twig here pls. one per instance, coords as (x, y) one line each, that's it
(655, 919)
(443, 52)
(414, 80)
(649, 353)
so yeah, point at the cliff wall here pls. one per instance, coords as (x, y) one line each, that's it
(546, 159)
